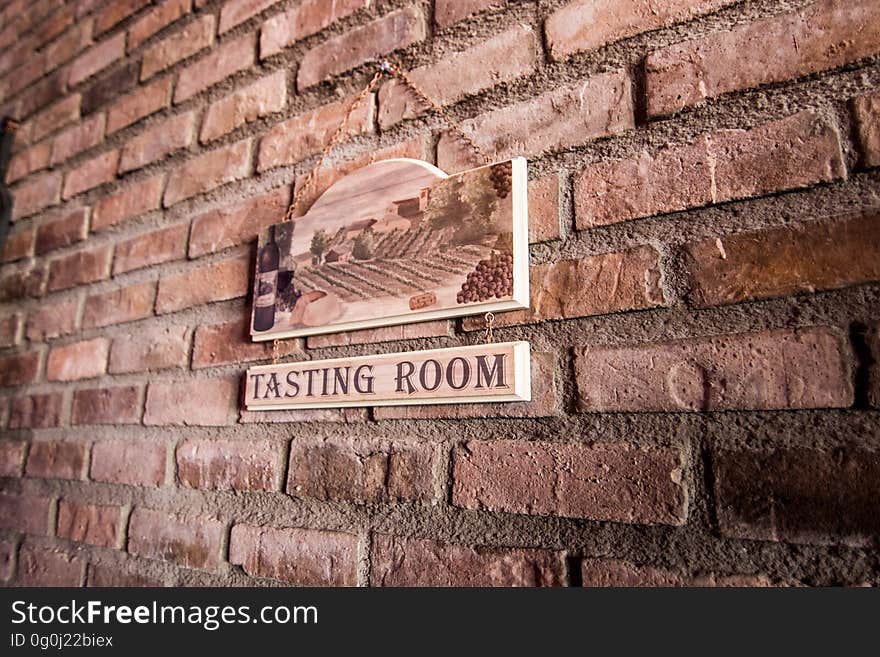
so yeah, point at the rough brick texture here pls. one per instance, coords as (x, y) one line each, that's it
(89, 523)
(53, 459)
(192, 542)
(229, 465)
(132, 462)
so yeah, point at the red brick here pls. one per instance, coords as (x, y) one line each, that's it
(228, 279)
(502, 58)
(438, 328)
(209, 171)
(595, 285)
(90, 174)
(7, 556)
(799, 495)
(39, 411)
(305, 19)
(619, 482)
(59, 115)
(185, 43)
(10, 328)
(38, 566)
(303, 557)
(569, 116)
(131, 201)
(364, 471)
(54, 459)
(266, 96)
(447, 12)
(35, 194)
(131, 462)
(54, 26)
(230, 225)
(824, 35)
(236, 12)
(151, 349)
(802, 258)
(544, 209)
(808, 368)
(152, 248)
(115, 12)
(614, 572)
(158, 142)
(26, 514)
(30, 70)
(95, 524)
(111, 576)
(86, 134)
(97, 58)
(22, 282)
(110, 87)
(224, 61)
(19, 244)
(19, 369)
(12, 457)
(52, 321)
(67, 46)
(106, 406)
(172, 403)
(398, 561)
(231, 343)
(80, 360)
(43, 92)
(544, 402)
(867, 114)
(70, 228)
(342, 415)
(193, 543)
(80, 268)
(29, 161)
(337, 54)
(230, 464)
(158, 19)
(123, 304)
(303, 135)
(590, 24)
(873, 336)
(143, 102)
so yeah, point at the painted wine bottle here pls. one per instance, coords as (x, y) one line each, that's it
(267, 284)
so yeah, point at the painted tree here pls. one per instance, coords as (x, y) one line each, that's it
(364, 245)
(318, 246)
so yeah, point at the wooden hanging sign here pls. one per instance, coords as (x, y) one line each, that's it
(477, 373)
(397, 241)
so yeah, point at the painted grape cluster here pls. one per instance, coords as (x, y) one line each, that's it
(492, 277)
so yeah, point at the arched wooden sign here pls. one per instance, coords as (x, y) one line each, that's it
(395, 242)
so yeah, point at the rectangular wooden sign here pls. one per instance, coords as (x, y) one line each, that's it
(477, 373)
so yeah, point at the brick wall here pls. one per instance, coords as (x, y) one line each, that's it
(705, 226)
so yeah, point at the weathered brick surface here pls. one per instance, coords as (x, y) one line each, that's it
(80, 360)
(263, 97)
(305, 19)
(208, 171)
(92, 173)
(124, 304)
(158, 142)
(308, 133)
(80, 267)
(86, 134)
(12, 457)
(798, 495)
(191, 542)
(23, 282)
(110, 576)
(237, 12)
(867, 114)
(25, 513)
(447, 12)
(570, 115)
(38, 411)
(158, 19)
(180, 45)
(19, 244)
(505, 57)
(393, 31)
(69, 228)
(35, 194)
(97, 58)
(231, 342)
(398, 561)
(151, 249)
(615, 572)
(10, 328)
(362, 470)
(603, 481)
(227, 279)
(151, 349)
(227, 59)
(95, 524)
(28, 161)
(782, 369)
(109, 87)
(54, 459)
(170, 403)
(589, 24)
(544, 209)
(135, 106)
(303, 557)
(52, 321)
(229, 464)
(19, 369)
(781, 261)
(233, 224)
(126, 461)
(106, 406)
(7, 555)
(794, 152)
(116, 11)
(40, 566)
(129, 202)
(823, 35)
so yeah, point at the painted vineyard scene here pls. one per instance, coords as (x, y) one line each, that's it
(394, 242)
